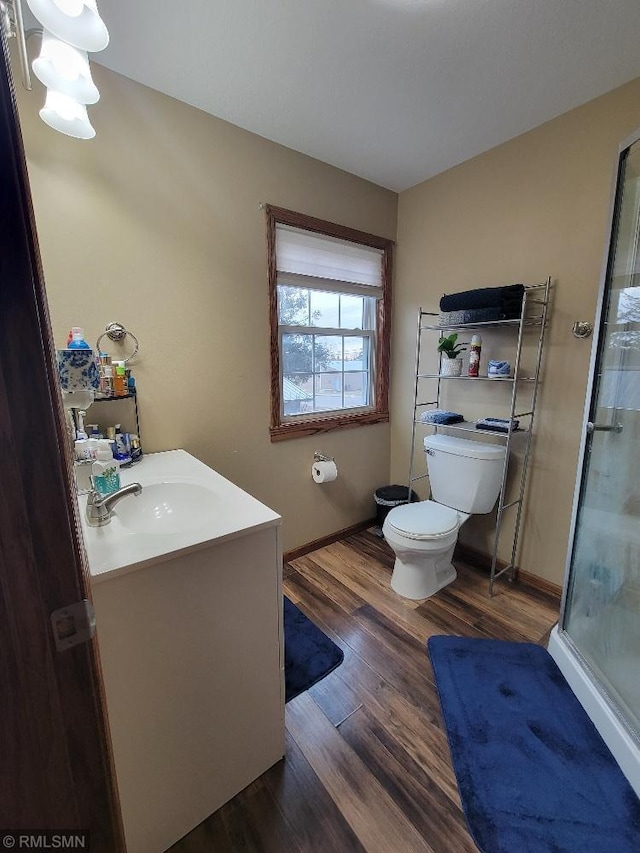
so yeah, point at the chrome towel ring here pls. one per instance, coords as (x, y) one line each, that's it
(117, 332)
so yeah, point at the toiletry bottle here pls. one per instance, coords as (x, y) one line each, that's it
(82, 474)
(474, 356)
(136, 449)
(82, 449)
(105, 368)
(105, 470)
(80, 430)
(120, 379)
(111, 437)
(85, 453)
(122, 454)
(77, 339)
(107, 381)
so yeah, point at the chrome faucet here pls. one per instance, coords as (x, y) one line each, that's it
(99, 506)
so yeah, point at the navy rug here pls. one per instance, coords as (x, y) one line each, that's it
(309, 654)
(534, 774)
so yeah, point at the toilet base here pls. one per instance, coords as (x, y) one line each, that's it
(417, 581)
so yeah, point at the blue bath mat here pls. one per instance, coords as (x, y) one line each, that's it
(534, 774)
(309, 654)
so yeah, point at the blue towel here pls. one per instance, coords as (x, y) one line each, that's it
(508, 299)
(440, 416)
(498, 368)
(473, 315)
(497, 424)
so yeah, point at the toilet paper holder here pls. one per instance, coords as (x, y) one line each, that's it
(319, 456)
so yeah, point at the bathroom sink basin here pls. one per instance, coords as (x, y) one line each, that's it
(184, 505)
(167, 508)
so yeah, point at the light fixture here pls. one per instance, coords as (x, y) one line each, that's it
(77, 22)
(71, 28)
(65, 69)
(66, 115)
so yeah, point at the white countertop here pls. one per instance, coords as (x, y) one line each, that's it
(114, 550)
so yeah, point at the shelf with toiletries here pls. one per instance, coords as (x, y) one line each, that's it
(475, 378)
(116, 401)
(106, 412)
(89, 379)
(98, 399)
(110, 421)
(509, 315)
(471, 426)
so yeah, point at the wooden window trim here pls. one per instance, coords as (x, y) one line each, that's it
(324, 422)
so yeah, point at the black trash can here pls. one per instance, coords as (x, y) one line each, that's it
(389, 496)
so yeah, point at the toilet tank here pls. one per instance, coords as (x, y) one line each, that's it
(464, 475)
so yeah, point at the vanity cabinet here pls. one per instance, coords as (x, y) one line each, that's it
(429, 391)
(190, 638)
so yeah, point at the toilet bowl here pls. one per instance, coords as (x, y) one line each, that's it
(465, 478)
(423, 536)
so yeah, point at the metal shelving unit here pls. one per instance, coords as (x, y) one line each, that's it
(535, 306)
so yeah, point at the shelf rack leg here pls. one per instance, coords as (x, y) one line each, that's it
(510, 569)
(415, 407)
(525, 465)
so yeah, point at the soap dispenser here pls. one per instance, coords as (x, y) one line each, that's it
(106, 469)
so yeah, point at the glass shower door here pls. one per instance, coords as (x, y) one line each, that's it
(602, 607)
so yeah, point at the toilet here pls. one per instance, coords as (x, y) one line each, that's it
(465, 477)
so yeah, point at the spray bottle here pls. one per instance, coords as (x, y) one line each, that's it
(474, 356)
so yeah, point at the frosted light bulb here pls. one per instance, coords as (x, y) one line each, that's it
(65, 69)
(66, 115)
(66, 108)
(64, 59)
(70, 7)
(77, 22)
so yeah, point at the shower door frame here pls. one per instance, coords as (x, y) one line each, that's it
(592, 693)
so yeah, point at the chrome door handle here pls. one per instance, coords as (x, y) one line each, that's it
(591, 428)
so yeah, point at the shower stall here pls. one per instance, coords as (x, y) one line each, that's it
(596, 643)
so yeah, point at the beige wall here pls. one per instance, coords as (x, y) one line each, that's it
(535, 206)
(156, 224)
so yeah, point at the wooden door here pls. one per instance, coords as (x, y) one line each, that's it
(56, 770)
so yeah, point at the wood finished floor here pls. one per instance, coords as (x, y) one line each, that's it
(367, 766)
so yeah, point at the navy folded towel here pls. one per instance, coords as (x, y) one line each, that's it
(473, 315)
(440, 416)
(508, 299)
(497, 424)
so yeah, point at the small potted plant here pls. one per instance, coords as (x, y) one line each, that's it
(449, 349)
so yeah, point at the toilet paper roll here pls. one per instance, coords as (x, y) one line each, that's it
(324, 472)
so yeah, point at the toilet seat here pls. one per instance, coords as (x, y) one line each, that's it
(425, 520)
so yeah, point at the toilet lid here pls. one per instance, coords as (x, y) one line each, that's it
(424, 520)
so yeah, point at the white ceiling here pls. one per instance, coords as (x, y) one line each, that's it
(395, 91)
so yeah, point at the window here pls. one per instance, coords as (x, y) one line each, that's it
(330, 301)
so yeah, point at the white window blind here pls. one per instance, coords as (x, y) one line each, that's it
(315, 261)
